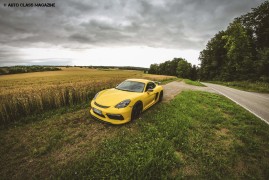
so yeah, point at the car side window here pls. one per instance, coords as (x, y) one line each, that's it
(150, 85)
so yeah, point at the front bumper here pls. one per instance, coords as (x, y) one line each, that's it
(111, 115)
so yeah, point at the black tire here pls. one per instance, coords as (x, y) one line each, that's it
(161, 96)
(137, 110)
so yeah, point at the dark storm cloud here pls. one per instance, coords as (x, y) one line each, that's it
(71, 24)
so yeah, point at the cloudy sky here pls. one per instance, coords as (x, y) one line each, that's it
(112, 32)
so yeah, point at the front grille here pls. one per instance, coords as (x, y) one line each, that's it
(115, 116)
(101, 106)
(99, 114)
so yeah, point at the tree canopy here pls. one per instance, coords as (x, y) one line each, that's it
(176, 67)
(241, 52)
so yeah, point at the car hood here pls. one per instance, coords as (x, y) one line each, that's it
(112, 97)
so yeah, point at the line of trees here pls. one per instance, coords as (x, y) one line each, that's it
(112, 67)
(241, 52)
(177, 67)
(120, 67)
(26, 69)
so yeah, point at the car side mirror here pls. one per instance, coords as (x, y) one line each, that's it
(150, 90)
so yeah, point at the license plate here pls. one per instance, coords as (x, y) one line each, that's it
(97, 111)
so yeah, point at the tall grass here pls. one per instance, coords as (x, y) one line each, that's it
(36, 100)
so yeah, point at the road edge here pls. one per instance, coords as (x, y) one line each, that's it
(241, 105)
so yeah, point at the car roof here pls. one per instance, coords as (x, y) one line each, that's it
(139, 80)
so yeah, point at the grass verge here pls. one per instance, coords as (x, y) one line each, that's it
(196, 135)
(194, 83)
(246, 86)
(166, 81)
(35, 150)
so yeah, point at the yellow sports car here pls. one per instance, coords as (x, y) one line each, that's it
(126, 101)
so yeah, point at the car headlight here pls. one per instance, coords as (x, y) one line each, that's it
(95, 96)
(123, 104)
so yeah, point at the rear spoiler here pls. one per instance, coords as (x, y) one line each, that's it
(157, 82)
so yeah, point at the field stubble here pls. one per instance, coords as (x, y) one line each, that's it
(27, 94)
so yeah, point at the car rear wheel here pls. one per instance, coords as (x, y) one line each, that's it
(137, 109)
(161, 96)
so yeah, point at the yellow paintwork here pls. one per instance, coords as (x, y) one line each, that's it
(111, 97)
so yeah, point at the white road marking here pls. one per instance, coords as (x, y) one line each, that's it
(241, 105)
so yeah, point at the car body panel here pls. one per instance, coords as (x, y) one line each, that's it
(106, 101)
(108, 96)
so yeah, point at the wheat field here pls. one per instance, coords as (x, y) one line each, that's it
(26, 94)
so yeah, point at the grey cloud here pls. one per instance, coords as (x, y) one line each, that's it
(81, 38)
(173, 24)
(10, 56)
(50, 61)
(7, 53)
(53, 62)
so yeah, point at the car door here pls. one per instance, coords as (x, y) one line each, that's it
(149, 96)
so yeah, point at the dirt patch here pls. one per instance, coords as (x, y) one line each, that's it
(173, 88)
(240, 168)
(222, 132)
(190, 170)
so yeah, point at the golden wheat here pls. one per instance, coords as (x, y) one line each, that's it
(27, 94)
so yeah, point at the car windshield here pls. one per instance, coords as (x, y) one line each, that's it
(131, 86)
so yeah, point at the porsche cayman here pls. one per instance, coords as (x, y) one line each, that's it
(126, 101)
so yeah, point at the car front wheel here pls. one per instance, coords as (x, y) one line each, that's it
(161, 96)
(137, 109)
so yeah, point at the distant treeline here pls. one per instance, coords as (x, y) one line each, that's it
(241, 52)
(115, 67)
(26, 69)
(176, 67)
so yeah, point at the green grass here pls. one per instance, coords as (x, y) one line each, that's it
(194, 83)
(166, 81)
(197, 135)
(246, 86)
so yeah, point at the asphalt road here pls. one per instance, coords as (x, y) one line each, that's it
(173, 88)
(256, 103)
